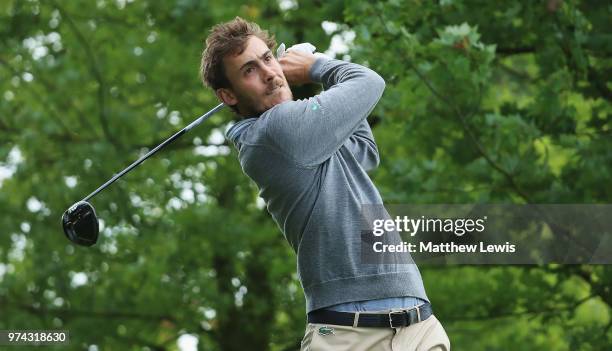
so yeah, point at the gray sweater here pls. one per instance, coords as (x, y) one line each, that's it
(309, 159)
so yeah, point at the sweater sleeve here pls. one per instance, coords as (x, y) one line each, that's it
(363, 147)
(310, 130)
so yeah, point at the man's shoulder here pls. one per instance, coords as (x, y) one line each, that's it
(290, 115)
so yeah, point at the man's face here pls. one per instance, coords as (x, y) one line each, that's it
(256, 78)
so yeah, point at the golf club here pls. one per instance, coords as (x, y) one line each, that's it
(80, 222)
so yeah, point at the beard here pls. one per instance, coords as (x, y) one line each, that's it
(276, 93)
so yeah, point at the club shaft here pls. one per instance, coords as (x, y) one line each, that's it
(157, 148)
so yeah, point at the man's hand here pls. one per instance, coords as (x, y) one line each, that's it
(296, 66)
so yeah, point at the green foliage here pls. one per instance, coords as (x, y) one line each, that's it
(486, 102)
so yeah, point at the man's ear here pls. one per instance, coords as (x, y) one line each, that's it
(227, 96)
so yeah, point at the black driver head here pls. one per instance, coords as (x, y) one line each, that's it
(81, 224)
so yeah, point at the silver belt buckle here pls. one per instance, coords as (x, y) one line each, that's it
(391, 319)
(409, 313)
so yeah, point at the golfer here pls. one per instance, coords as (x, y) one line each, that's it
(309, 159)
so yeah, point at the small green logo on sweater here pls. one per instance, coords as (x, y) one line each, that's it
(326, 331)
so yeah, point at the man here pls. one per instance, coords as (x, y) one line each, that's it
(309, 159)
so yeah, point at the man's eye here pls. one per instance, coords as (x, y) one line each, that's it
(268, 58)
(248, 70)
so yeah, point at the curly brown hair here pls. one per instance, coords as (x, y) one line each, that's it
(225, 39)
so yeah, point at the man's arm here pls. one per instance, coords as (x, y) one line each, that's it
(310, 130)
(363, 147)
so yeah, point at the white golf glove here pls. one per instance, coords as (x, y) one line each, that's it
(304, 47)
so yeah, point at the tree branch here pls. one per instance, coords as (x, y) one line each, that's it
(515, 51)
(40, 98)
(109, 19)
(133, 339)
(598, 83)
(71, 313)
(94, 69)
(515, 73)
(465, 126)
(522, 313)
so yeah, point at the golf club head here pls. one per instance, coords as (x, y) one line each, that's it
(81, 224)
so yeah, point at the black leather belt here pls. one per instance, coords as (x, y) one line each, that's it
(394, 319)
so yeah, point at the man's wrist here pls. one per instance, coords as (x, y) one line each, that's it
(316, 69)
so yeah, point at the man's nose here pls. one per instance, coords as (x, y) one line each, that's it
(267, 73)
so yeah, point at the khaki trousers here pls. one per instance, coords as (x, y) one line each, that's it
(428, 335)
